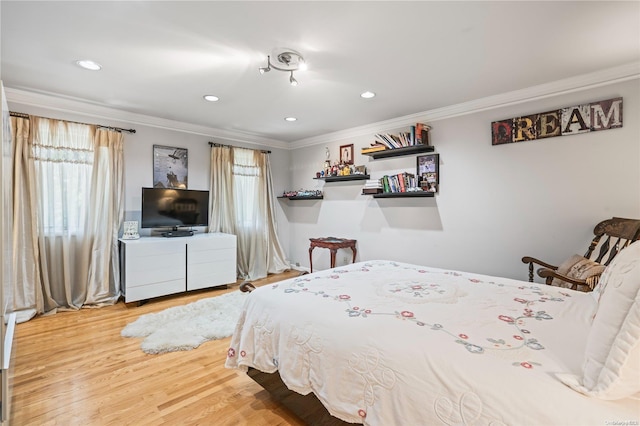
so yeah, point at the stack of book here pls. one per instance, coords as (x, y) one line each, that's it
(418, 135)
(402, 182)
(373, 186)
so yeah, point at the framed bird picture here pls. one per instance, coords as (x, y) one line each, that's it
(170, 167)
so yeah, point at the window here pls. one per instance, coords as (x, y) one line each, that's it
(246, 184)
(63, 161)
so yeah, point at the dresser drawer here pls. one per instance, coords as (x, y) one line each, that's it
(148, 291)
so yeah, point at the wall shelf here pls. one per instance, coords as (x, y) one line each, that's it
(403, 194)
(342, 178)
(396, 152)
(302, 197)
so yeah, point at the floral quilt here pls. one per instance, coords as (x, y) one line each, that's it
(389, 343)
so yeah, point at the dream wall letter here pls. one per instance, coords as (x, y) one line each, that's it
(549, 124)
(601, 115)
(611, 119)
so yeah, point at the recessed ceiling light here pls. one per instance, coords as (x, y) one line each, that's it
(290, 119)
(89, 65)
(367, 95)
(211, 98)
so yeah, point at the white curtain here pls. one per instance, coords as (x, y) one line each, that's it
(221, 206)
(105, 218)
(242, 204)
(26, 297)
(68, 210)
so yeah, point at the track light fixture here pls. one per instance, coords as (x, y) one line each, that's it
(267, 68)
(286, 60)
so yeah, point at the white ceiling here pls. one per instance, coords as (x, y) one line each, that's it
(159, 58)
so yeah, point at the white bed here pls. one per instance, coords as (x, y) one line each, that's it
(388, 343)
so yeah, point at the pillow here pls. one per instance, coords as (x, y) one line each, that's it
(577, 267)
(599, 288)
(611, 368)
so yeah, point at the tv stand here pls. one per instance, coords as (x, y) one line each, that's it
(157, 266)
(178, 233)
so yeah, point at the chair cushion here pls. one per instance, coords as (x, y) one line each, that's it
(577, 267)
(611, 369)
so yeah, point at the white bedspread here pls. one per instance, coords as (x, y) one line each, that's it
(388, 343)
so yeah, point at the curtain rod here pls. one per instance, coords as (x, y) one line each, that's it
(212, 144)
(116, 129)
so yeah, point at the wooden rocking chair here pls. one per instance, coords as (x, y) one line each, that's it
(582, 273)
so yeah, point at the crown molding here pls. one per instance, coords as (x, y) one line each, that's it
(561, 87)
(84, 108)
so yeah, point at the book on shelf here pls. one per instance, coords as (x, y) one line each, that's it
(386, 140)
(401, 182)
(410, 180)
(393, 184)
(372, 190)
(401, 186)
(422, 134)
(375, 148)
(385, 183)
(373, 183)
(406, 138)
(396, 141)
(417, 135)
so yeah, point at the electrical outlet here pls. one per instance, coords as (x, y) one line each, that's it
(345, 259)
(297, 263)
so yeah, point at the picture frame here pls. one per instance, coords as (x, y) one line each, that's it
(428, 171)
(346, 154)
(130, 230)
(170, 167)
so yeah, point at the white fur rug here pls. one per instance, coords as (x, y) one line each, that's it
(182, 328)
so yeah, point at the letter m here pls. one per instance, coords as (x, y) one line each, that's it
(606, 114)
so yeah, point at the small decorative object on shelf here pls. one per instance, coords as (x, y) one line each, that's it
(343, 178)
(327, 160)
(340, 169)
(303, 194)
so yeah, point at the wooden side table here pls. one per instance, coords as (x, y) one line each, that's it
(333, 244)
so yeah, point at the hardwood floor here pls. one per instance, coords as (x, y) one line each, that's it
(74, 368)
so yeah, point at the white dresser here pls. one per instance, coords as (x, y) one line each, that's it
(157, 266)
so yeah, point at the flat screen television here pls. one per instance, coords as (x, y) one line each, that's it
(170, 207)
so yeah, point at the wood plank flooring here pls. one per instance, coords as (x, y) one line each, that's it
(74, 368)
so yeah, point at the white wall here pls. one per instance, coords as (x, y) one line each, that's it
(496, 203)
(139, 165)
